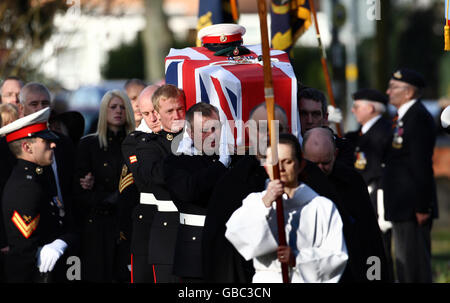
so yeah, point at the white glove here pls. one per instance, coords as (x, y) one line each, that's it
(382, 223)
(445, 117)
(334, 114)
(49, 254)
(186, 145)
(224, 152)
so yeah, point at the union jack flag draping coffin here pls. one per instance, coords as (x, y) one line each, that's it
(235, 85)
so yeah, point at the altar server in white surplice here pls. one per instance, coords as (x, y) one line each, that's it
(316, 250)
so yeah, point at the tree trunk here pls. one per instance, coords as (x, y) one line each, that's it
(157, 40)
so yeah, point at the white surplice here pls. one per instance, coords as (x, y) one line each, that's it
(313, 231)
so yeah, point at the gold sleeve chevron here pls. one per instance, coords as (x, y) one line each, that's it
(125, 181)
(25, 228)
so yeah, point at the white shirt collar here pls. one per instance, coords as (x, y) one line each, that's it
(143, 127)
(404, 108)
(365, 128)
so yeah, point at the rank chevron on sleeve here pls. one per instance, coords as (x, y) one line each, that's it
(125, 182)
(24, 228)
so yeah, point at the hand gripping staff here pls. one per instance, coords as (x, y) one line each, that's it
(269, 97)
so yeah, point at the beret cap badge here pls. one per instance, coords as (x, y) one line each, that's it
(398, 75)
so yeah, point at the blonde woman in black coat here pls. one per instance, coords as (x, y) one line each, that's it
(98, 170)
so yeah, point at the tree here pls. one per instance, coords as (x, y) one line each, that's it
(25, 25)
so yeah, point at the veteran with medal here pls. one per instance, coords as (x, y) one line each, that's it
(409, 188)
(35, 220)
(371, 141)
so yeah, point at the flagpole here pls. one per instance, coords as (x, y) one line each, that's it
(447, 29)
(324, 63)
(270, 105)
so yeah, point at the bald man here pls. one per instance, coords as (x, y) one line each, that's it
(150, 122)
(360, 223)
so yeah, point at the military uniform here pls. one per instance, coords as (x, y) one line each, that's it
(33, 214)
(97, 207)
(191, 180)
(155, 218)
(33, 217)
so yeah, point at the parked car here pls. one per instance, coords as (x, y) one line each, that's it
(86, 100)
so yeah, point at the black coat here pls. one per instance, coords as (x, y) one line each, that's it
(222, 263)
(7, 162)
(373, 146)
(191, 180)
(154, 232)
(408, 181)
(32, 219)
(105, 164)
(361, 231)
(97, 207)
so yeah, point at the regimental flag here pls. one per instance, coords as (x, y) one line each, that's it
(447, 26)
(289, 20)
(234, 86)
(216, 11)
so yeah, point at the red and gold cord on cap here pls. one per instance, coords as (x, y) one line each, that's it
(26, 131)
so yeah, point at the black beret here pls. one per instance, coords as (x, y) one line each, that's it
(409, 76)
(370, 95)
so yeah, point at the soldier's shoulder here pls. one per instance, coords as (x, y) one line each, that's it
(88, 139)
(138, 136)
(22, 183)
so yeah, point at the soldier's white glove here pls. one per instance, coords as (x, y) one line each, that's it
(224, 152)
(445, 117)
(48, 255)
(382, 223)
(334, 114)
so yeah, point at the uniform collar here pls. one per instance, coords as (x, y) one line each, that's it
(365, 128)
(30, 167)
(404, 108)
(119, 134)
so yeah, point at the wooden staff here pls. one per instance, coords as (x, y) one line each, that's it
(270, 105)
(324, 63)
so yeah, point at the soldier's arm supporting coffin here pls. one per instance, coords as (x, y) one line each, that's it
(235, 84)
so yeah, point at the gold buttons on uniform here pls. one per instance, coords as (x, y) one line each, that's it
(39, 170)
(140, 216)
(194, 238)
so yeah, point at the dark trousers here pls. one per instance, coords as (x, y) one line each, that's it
(151, 273)
(387, 241)
(98, 249)
(412, 244)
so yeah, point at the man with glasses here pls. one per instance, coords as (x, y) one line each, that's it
(409, 187)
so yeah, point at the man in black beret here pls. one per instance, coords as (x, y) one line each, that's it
(371, 141)
(409, 188)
